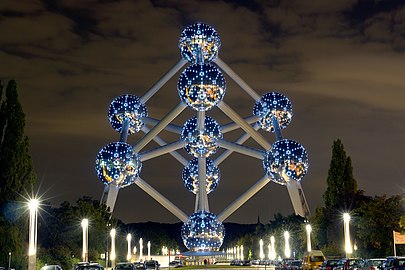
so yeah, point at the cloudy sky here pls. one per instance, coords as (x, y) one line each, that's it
(341, 63)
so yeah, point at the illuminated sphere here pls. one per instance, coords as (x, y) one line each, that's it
(127, 107)
(203, 232)
(117, 163)
(201, 86)
(286, 160)
(199, 43)
(190, 176)
(273, 105)
(201, 143)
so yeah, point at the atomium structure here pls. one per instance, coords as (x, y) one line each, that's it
(202, 87)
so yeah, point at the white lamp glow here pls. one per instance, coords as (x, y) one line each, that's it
(287, 250)
(85, 227)
(129, 237)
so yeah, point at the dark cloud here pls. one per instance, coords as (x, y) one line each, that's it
(341, 63)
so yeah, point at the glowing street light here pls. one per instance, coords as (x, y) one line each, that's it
(33, 205)
(148, 250)
(348, 245)
(140, 249)
(85, 227)
(129, 247)
(273, 250)
(261, 254)
(309, 230)
(287, 250)
(241, 253)
(134, 250)
(112, 253)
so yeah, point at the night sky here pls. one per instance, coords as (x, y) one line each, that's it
(341, 64)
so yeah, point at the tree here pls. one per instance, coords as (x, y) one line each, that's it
(17, 176)
(380, 216)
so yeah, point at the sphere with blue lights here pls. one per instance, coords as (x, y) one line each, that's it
(273, 105)
(127, 108)
(116, 163)
(203, 232)
(286, 160)
(199, 43)
(191, 179)
(201, 86)
(201, 143)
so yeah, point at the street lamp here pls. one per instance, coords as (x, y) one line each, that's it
(273, 250)
(309, 230)
(129, 247)
(32, 248)
(112, 253)
(287, 250)
(148, 250)
(85, 227)
(261, 254)
(242, 257)
(9, 260)
(348, 245)
(140, 249)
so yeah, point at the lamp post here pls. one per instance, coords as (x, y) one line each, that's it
(9, 260)
(242, 257)
(261, 254)
(112, 253)
(85, 227)
(148, 250)
(287, 250)
(129, 247)
(348, 245)
(309, 230)
(32, 248)
(140, 249)
(273, 250)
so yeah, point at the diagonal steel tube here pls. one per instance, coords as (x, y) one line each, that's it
(227, 153)
(161, 199)
(161, 142)
(232, 126)
(164, 79)
(170, 127)
(249, 90)
(245, 126)
(241, 149)
(162, 150)
(159, 127)
(243, 198)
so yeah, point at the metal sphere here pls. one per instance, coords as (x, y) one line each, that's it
(201, 86)
(191, 179)
(199, 43)
(203, 232)
(127, 107)
(286, 160)
(201, 143)
(116, 163)
(273, 105)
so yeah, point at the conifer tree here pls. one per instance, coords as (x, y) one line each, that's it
(16, 175)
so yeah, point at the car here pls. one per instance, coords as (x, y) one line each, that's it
(329, 264)
(175, 264)
(89, 266)
(348, 264)
(152, 264)
(372, 264)
(312, 260)
(51, 267)
(394, 263)
(125, 266)
(294, 265)
(284, 264)
(139, 265)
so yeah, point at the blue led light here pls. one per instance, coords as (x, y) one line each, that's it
(286, 160)
(201, 143)
(203, 232)
(127, 107)
(273, 104)
(199, 43)
(201, 86)
(116, 163)
(190, 176)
